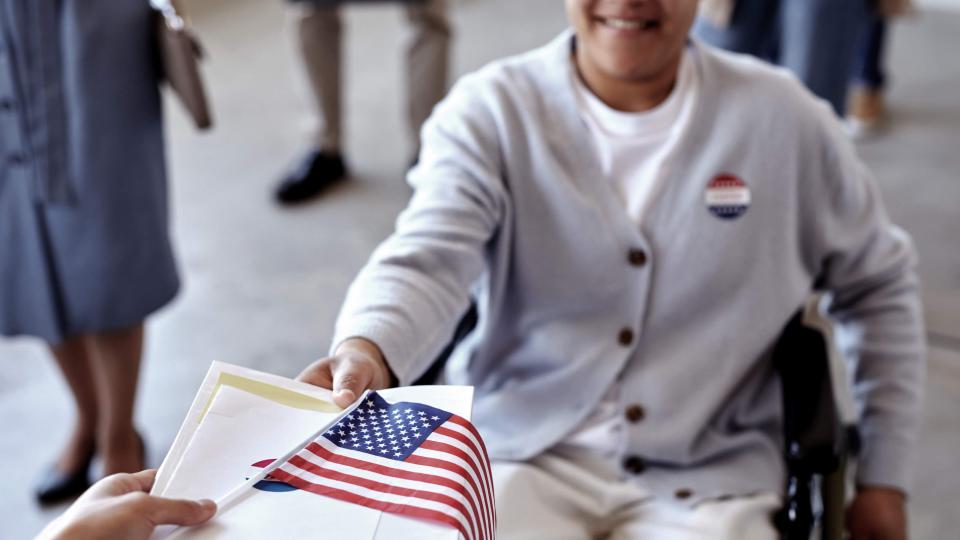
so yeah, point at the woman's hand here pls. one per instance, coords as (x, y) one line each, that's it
(119, 508)
(877, 513)
(355, 366)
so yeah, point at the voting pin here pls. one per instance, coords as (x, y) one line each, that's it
(727, 196)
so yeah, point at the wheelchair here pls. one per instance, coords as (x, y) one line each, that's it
(819, 433)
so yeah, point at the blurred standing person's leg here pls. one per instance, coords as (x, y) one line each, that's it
(819, 40)
(321, 46)
(101, 371)
(319, 36)
(868, 80)
(750, 27)
(428, 58)
(116, 366)
(320, 42)
(73, 359)
(816, 39)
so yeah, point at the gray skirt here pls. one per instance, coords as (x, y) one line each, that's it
(92, 253)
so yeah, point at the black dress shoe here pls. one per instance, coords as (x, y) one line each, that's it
(317, 171)
(56, 486)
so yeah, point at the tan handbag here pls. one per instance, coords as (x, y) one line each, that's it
(180, 55)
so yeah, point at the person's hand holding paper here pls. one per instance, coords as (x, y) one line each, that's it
(356, 366)
(118, 508)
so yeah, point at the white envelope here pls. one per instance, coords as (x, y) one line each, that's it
(242, 424)
(274, 387)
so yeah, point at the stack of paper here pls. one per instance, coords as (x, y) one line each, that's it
(240, 421)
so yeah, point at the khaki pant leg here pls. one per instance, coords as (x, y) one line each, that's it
(428, 56)
(738, 518)
(320, 43)
(548, 499)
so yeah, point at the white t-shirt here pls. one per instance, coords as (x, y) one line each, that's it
(631, 148)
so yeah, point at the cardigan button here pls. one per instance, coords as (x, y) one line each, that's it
(635, 413)
(625, 337)
(634, 465)
(637, 257)
(6, 104)
(683, 493)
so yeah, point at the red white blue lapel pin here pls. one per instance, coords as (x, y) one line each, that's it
(727, 196)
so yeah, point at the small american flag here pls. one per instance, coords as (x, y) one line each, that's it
(402, 458)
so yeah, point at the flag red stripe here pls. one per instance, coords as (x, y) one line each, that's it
(460, 471)
(446, 465)
(373, 485)
(342, 459)
(480, 458)
(487, 478)
(474, 496)
(446, 448)
(465, 424)
(393, 508)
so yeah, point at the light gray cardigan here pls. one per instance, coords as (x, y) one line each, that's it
(511, 206)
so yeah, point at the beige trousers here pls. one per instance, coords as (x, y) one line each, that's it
(554, 497)
(427, 54)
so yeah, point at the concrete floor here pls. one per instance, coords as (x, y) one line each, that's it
(263, 284)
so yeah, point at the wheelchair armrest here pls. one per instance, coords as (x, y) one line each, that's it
(814, 435)
(816, 441)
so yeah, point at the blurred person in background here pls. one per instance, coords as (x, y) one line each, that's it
(85, 254)
(816, 39)
(319, 37)
(866, 108)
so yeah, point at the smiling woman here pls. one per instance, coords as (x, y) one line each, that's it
(628, 52)
(631, 271)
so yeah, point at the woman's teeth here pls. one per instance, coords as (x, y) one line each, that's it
(623, 24)
(628, 24)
